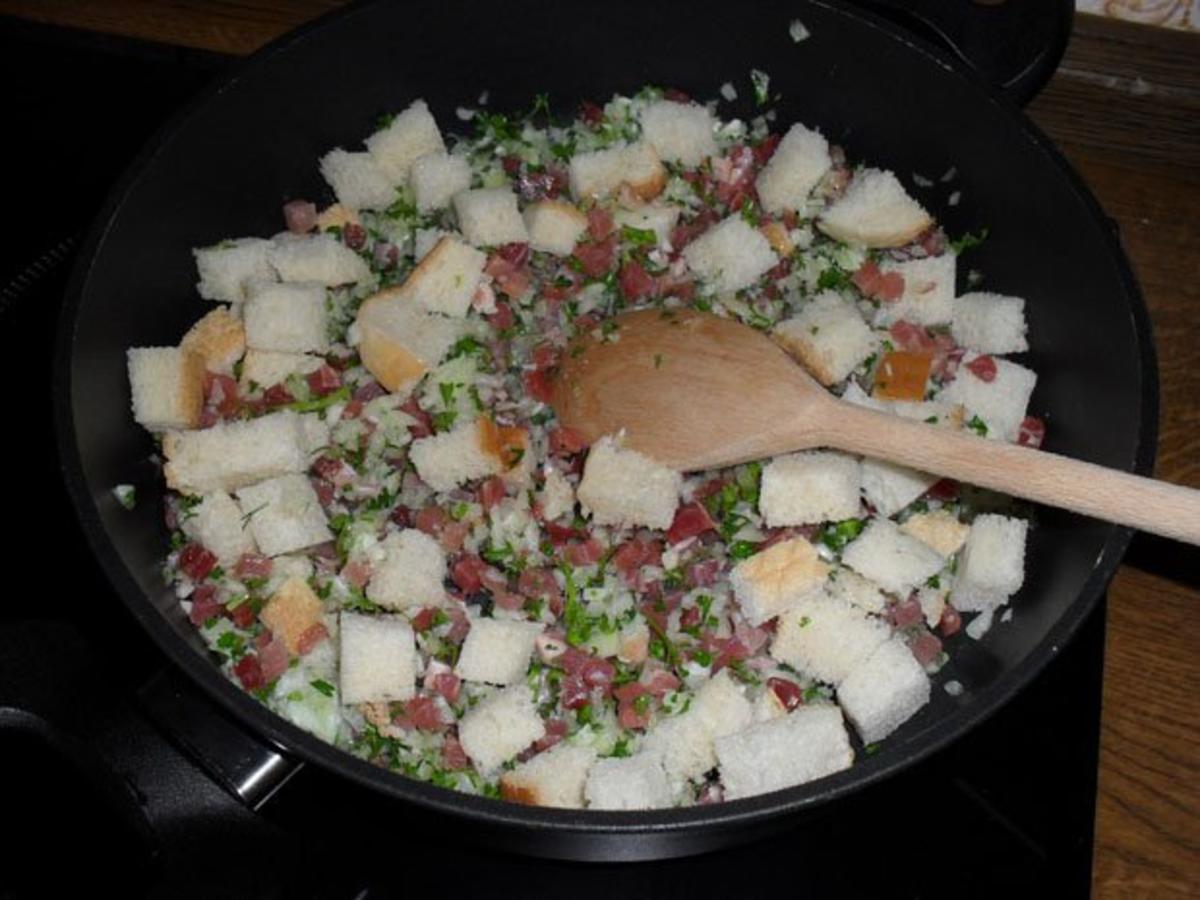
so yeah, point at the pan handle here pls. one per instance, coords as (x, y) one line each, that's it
(1014, 44)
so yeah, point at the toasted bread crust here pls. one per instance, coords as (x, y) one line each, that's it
(219, 338)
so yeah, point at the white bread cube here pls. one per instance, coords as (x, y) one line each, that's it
(216, 523)
(497, 651)
(407, 138)
(316, 257)
(933, 604)
(828, 336)
(166, 387)
(488, 217)
(499, 727)
(992, 565)
(226, 268)
(884, 691)
(621, 486)
(554, 777)
(889, 487)
(809, 487)
(632, 782)
(657, 217)
(875, 211)
(411, 574)
(777, 579)
(685, 741)
(265, 368)
(554, 226)
(827, 638)
(557, 497)
(679, 132)
(357, 180)
(287, 318)
(1001, 403)
(808, 743)
(447, 460)
(399, 341)
(377, 659)
(316, 432)
(940, 529)
(797, 166)
(596, 175)
(892, 559)
(928, 297)
(848, 586)
(284, 514)
(219, 339)
(731, 255)
(234, 454)
(990, 323)
(436, 177)
(291, 612)
(445, 279)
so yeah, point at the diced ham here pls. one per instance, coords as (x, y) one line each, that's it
(310, 638)
(511, 277)
(905, 613)
(503, 318)
(204, 604)
(686, 232)
(789, 693)
(299, 216)
(423, 427)
(983, 368)
(574, 692)
(765, 149)
(454, 757)
(591, 113)
(633, 712)
(440, 679)
(596, 258)
(467, 574)
(196, 562)
(565, 441)
(423, 620)
(492, 491)
(337, 472)
(538, 583)
(704, 573)
(539, 384)
(950, 622)
(735, 176)
(354, 236)
(253, 565)
(878, 285)
(925, 647)
(556, 730)
(356, 573)
(277, 395)
(242, 615)
(633, 554)
(249, 672)
(600, 223)
(635, 282)
(369, 391)
(943, 489)
(274, 659)
(431, 520)
(583, 553)
(544, 185)
(324, 380)
(1032, 432)
(422, 713)
(912, 338)
(691, 519)
(561, 534)
(221, 395)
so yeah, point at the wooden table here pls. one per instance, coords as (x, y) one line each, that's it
(1125, 108)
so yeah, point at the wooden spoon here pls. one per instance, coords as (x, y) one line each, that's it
(695, 391)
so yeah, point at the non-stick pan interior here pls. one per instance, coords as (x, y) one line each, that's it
(225, 168)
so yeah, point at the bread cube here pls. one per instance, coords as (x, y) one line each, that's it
(234, 454)
(287, 318)
(404, 140)
(284, 514)
(291, 612)
(377, 659)
(357, 180)
(679, 132)
(557, 497)
(436, 177)
(167, 387)
(264, 368)
(1000, 403)
(810, 487)
(990, 323)
(808, 743)
(657, 217)
(499, 727)
(226, 268)
(777, 579)
(848, 586)
(797, 166)
(447, 460)
(632, 782)
(992, 565)
(219, 339)
(399, 341)
(685, 742)
(489, 217)
(893, 560)
(497, 651)
(875, 211)
(596, 175)
(933, 604)
(940, 529)
(320, 258)
(827, 638)
(554, 777)
(889, 487)
(446, 278)
(621, 486)
(554, 226)
(884, 691)
(928, 297)
(216, 523)
(731, 255)
(829, 337)
(411, 574)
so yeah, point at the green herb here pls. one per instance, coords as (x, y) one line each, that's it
(187, 507)
(216, 574)
(837, 535)
(762, 82)
(459, 511)
(934, 582)
(444, 420)
(703, 657)
(749, 481)
(579, 627)
(341, 395)
(447, 391)
(931, 420)
(323, 687)
(541, 104)
(639, 237)
(743, 673)
(385, 120)
(563, 151)
(811, 693)
(834, 278)
(804, 621)
(467, 346)
(641, 705)
(401, 208)
(978, 426)
(233, 642)
(673, 579)
(621, 748)
(357, 602)
(871, 749)
(968, 241)
(750, 213)
(742, 549)
(584, 715)
(126, 495)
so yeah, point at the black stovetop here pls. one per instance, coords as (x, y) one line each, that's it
(1008, 809)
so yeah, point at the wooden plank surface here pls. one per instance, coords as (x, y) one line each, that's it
(1125, 108)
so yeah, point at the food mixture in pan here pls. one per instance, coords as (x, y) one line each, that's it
(382, 532)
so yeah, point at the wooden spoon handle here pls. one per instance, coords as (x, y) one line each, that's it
(1146, 504)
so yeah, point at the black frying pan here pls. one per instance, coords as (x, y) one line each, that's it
(224, 168)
